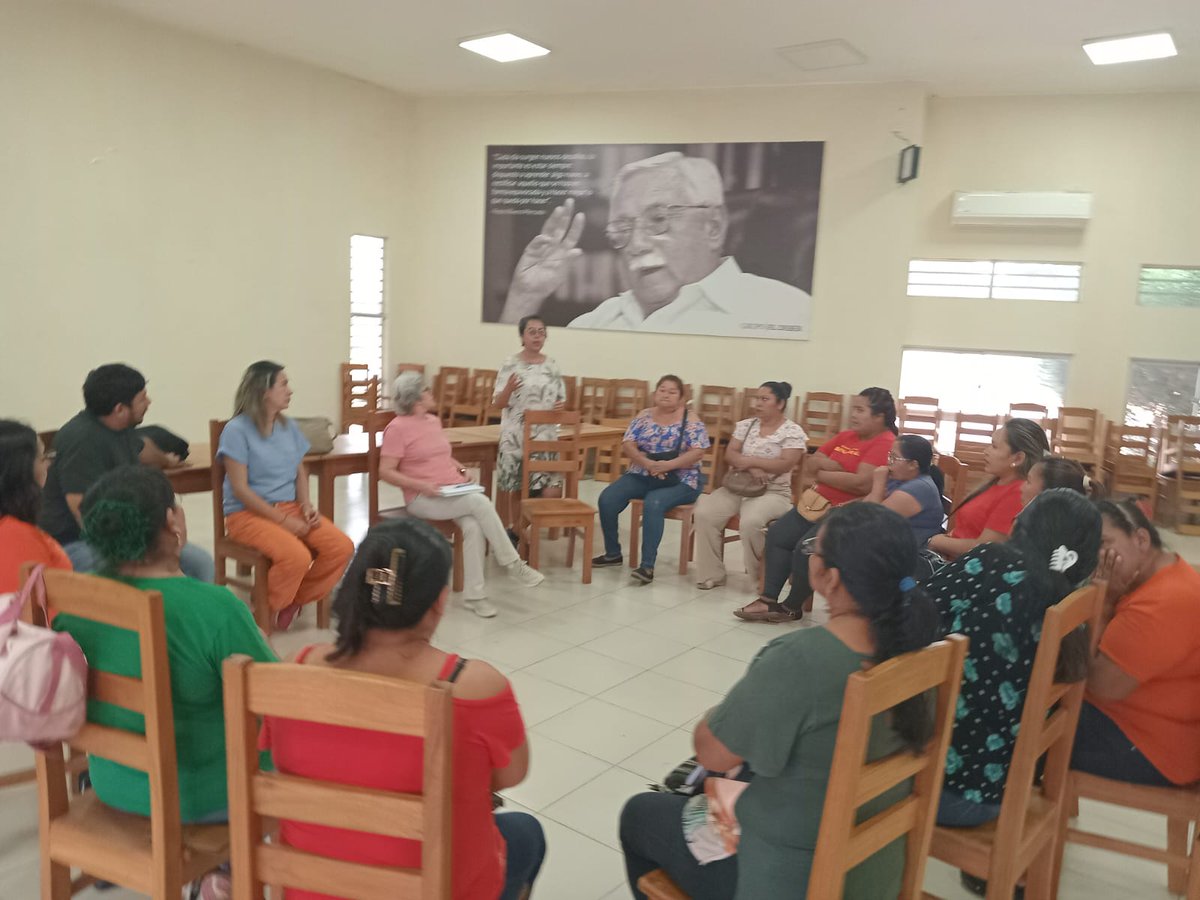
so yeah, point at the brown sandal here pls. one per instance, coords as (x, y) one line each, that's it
(774, 612)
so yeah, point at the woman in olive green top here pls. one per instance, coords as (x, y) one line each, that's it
(131, 520)
(860, 562)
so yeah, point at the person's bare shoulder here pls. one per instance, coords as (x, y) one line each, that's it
(314, 657)
(479, 681)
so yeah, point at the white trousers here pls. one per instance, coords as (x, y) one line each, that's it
(477, 518)
(755, 513)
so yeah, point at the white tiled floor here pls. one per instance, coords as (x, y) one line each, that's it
(611, 678)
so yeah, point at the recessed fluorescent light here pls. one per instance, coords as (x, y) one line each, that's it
(504, 47)
(1105, 51)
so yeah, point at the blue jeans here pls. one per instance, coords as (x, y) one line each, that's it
(956, 811)
(658, 499)
(194, 561)
(1102, 749)
(526, 850)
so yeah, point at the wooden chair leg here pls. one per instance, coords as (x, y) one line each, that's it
(323, 606)
(1177, 843)
(635, 530)
(56, 880)
(457, 578)
(570, 547)
(1039, 879)
(588, 553)
(685, 542)
(260, 602)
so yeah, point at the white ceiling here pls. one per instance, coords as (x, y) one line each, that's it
(952, 46)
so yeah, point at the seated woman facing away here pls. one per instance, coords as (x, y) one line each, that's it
(132, 522)
(266, 496)
(1054, 472)
(495, 855)
(860, 561)
(839, 472)
(1141, 715)
(416, 456)
(997, 595)
(23, 466)
(986, 516)
(911, 485)
(665, 444)
(766, 448)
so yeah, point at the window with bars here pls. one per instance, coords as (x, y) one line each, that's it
(994, 279)
(1159, 388)
(366, 301)
(1170, 286)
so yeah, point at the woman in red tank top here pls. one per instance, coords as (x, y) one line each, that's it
(389, 632)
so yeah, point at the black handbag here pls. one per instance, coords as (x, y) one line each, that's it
(670, 479)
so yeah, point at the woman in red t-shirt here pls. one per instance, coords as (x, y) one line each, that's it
(840, 471)
(986, 516)
(23, 467)
(389, 632)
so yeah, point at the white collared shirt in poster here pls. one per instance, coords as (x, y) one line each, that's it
(728, 302)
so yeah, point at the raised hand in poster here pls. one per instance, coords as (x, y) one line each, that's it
(543, 266)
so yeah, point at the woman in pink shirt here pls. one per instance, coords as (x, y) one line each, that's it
(416, 457)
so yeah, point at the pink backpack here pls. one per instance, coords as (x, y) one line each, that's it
(43, 674)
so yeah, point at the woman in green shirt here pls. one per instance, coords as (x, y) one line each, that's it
(131, 519)
(859, 562)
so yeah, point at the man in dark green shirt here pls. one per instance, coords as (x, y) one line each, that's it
(98, 439)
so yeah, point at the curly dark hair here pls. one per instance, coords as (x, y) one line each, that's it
(125, 511)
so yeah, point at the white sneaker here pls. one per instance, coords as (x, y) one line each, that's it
(521, 571)
(481, 606)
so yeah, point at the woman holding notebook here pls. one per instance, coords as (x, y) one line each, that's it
(416, 457)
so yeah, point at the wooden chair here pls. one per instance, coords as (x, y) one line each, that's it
(820, 415)
(746, 398)
(844, 842)
(156, 855)
(1024, 840)
(47, 438)
(1180, 805)
(401, 368)
(955, 473)
(629, 397)
(475, 400)
(972, 434)
(685, 514)
(1180, 474)
(559, 456)
(360, 394)
(920, 416)
(571, 389)
(1079, 435)
(595, 399)
(1129, 464)
(376, 423)
(717, 408)
(449, 388)
(351, 700)
(252, 566)
(1035, 412)
(610, 461)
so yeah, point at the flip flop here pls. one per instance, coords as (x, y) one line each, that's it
(774, 613)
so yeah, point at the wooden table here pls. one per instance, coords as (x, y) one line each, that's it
(473, 446)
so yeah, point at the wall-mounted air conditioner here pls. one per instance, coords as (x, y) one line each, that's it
(1022, 209)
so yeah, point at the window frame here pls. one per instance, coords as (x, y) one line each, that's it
(991, 276)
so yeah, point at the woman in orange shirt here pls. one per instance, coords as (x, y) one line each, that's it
(1141, 719)
(23, 467)
(986, 516)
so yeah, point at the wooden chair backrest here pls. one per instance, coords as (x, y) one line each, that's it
(401, 368)
(628, 398)
(376, 423)
(595, 399)
(1173, 429)
(353, 700)
(716, 406)
(1130, 448)
(122, 606)
(1033, 411)
(475, 398)
(972, 433)
(920, 416)
(450, 388)
(609, 460)
(360, 393)
(216, 474)
(1049, 717)
(746, 403)
(1187, 449)
(820, 415)
(571, 390)
(1079, 434)
(956, 474)
(711, 465)
(559, 456)
(853, 782)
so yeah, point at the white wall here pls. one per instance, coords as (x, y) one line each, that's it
(865, 224)
(181, 205)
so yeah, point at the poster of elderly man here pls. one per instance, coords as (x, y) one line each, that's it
(714, 239)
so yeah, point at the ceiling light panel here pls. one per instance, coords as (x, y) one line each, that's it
(504, 47)
(1132, 48)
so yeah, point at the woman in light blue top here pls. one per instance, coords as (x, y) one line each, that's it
(266, 499)
(912, 486)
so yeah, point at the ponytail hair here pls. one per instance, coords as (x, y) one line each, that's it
(875, 552)
(881, 403)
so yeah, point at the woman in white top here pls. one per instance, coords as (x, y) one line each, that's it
(767, 447)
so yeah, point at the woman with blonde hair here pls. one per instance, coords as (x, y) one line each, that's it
(267, 506)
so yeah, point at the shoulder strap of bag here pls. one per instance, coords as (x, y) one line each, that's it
(33, 590)
(682, 426)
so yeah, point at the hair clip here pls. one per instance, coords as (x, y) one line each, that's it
(1062, 559)
(907, 583)
(391, 578)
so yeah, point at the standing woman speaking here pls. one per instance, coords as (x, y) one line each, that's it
(266, 496)
(528, 380)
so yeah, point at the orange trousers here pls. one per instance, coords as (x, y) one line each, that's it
(302, 569)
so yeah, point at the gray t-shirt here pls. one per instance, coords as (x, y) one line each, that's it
(928, 521)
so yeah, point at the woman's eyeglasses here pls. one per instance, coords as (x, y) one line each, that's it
(895, 458)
